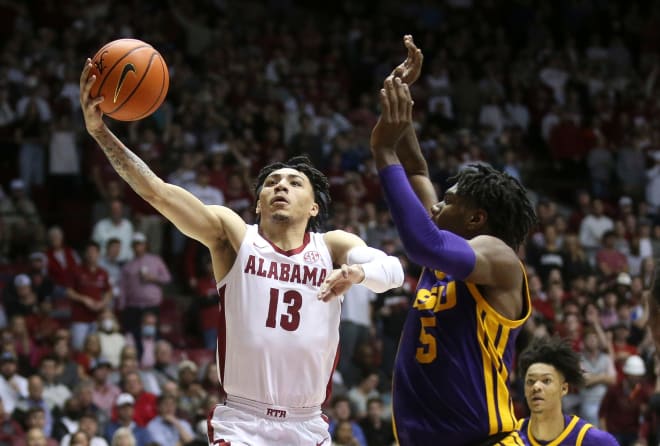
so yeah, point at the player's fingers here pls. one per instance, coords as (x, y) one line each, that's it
(87, 87)
(90, 82)
(409, 104)
(385, 106)
(402, 99)
(394, 101)
(344, 271)
(85, 72)
(96, 101)
(410, 46)
(329, 295)
(419, 59)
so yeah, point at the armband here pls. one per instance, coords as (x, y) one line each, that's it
(382, 274)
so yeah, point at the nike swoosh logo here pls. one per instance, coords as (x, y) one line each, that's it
(128, 67)
(319, 444)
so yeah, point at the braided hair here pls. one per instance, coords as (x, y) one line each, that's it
(319, 183)
(556, 352)
(510, 214)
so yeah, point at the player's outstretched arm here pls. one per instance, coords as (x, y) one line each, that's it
(484, 260)
(360, 264)
(208, 224)
(407, 148)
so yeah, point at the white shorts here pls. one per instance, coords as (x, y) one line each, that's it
(229, 425)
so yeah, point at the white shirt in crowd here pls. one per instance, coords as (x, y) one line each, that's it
(356, 306)
(12, 390)
(106, 229)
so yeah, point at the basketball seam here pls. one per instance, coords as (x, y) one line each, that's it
(105, 78)
(163, 67)
(146, 71)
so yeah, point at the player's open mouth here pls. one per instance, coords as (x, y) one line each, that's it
(279, 200)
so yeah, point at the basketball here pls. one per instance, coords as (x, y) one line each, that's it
(132, 77)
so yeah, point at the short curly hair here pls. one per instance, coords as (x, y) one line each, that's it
(510, 214)
(556, 352)
(319, 183)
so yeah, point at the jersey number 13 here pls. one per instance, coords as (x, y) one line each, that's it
(290, 319)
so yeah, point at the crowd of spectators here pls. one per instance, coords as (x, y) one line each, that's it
(561, 95)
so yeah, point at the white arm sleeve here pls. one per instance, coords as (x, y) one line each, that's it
(381, 272)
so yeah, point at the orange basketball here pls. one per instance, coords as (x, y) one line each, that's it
(132, 77)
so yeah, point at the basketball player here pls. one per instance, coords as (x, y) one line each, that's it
(550, 366)
(279, 315)
(452, 367)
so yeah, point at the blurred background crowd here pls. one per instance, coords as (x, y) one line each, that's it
(107, 328)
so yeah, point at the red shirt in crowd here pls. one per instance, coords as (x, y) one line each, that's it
(146, 408)
(93, 283)
(622, 407)
(62, 265)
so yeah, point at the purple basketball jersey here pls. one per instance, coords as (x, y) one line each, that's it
(453, 364)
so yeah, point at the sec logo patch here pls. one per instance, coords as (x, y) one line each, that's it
(312, 256)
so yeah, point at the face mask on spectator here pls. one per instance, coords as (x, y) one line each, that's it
(149, 331)
(107, 325)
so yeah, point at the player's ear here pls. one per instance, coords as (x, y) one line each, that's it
(564, 389)
(476, 219)
(258, 209)
(314, 210)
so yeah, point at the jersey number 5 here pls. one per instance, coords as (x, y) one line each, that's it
(291, 319)
(429, 350)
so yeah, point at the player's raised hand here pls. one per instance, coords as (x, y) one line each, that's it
(410, 69)
(90, 106)
(396, 114)
(339, 281)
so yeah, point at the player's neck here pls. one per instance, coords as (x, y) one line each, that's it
(283, 236)
(547, 426)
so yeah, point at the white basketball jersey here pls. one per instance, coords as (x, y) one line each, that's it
(277, 343)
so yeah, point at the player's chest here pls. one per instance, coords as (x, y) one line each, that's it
(304, 271)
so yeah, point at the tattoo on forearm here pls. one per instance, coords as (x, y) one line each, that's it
(127, 164)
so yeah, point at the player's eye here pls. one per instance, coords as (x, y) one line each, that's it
(547, 381)
(296, 183)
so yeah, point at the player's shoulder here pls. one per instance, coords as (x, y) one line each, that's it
(339, 237)
(597, 437)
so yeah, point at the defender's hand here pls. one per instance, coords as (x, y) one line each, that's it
(396, 115)
(410, 69)
(90, 106)
(339, 281)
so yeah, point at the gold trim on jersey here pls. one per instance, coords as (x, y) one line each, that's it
(513, 439)
(396, 434)
(581, 434)
(493, 332)
(482, 302)
(492, 338)
(567, 430)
